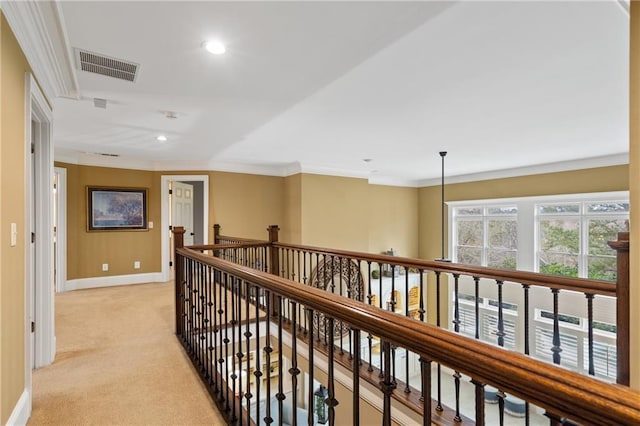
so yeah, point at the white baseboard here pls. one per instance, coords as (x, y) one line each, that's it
(22, 410)
(94, 282)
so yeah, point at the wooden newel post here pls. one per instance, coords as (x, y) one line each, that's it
(274, 265)
(178, 243)
(216, 233)
(274, 261)
(621, 246)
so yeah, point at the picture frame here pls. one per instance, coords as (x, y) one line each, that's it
(116, 209)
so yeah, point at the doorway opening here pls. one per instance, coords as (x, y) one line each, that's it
(59, 228)
(185, 202)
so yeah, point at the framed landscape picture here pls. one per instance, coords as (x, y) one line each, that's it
(116, 209)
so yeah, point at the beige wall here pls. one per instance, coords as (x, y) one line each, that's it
(334, 212)
(602, 179)
(244, 204)
(350, 214)
(13, 66)
(292, 224)
(87, 251)
(634, 189)
(393, 220)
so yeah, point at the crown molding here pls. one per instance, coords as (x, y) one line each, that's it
(561, 166)
(284, 170)
(40, 30)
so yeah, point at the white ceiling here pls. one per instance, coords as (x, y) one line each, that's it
(320, 86)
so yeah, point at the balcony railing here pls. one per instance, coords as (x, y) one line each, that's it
(224, 312)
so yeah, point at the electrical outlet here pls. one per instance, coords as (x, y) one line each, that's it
(105, 267)
(136, 264)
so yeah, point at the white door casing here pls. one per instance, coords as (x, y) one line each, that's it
(165, 207)
(182, 209)
(39, 291)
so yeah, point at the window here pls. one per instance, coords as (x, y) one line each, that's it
(488, 316)
(558, 235)
(574, 341)
(486, 235)
(572, 238)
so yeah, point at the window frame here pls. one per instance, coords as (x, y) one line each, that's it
(527, 222)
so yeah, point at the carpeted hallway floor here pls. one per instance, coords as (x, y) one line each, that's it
(118, 362)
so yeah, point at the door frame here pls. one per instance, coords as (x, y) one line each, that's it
(164, 222)
(38, 286)
(61, 231)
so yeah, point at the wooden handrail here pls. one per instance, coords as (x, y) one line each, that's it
(582, 285)
(559, 391)
(230, 246)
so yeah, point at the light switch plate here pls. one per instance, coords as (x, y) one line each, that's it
(14, 234)
(150, 225)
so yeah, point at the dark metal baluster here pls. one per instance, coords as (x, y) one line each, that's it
(240, 355)
(300, 316)
(592, 370)
(331, 401)
(341, 324)
(202, 347)
(214, 286)
(425, 372)
(392, 302)
(500, 333)
(477, 305)
(525, 287)
(479, 387)
(350, 295)
(421, 290)
(234, 319)
(382, 354)
(439, 402)
(304, 281)
(223, 347)
(310, 396)
(267, 354)
(380, 285)
(501, 396)
(210, 360)
(387, 385)
(407, 388)
(248, 334)
(225, 361)
(369, 336)
(284, 305)
(456, 304)
(294, 370)
(355, 368)
(556, 349)
(280, 395)
(258, 363)
(265, 263)
(456, 377)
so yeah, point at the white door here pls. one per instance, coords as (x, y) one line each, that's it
(182, 209)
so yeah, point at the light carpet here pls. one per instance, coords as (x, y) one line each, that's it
(118, 362)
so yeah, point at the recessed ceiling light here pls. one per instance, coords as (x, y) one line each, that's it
(367, 160)
(214, 46)
(161, 138)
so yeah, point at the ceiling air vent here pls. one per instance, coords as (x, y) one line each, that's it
(105, 65)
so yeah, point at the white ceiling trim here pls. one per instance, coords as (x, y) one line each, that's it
(40, 30)
(86, 159)
(561, 166)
